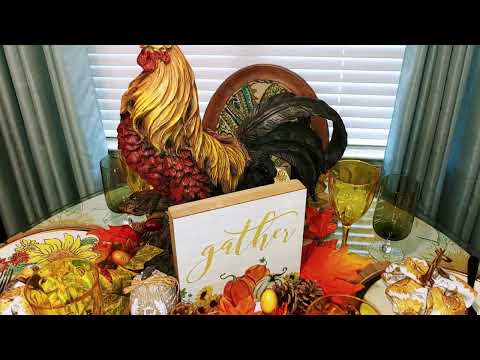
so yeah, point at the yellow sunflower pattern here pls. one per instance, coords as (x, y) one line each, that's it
(204, 296)
(292, 277)
(26, 245)
(54, 249)
(206, 301)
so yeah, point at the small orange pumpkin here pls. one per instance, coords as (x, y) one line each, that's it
(238, 288)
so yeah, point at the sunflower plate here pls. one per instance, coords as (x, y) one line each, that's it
(43, 247)
(46, 246)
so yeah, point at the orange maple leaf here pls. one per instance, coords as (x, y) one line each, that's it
(246, 306)
(281, 310)
(332, 269)
(319, 223)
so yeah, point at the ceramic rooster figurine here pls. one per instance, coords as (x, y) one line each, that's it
(167, 151)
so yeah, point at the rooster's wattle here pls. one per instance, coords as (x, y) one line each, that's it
(165, 148)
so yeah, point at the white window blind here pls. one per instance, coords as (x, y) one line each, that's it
(358, 81)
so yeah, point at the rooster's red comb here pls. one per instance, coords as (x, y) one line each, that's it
(151, 54)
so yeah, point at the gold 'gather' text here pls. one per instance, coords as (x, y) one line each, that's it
(261, 237)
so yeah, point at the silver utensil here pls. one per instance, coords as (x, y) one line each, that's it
(5, 278)
(472, 270)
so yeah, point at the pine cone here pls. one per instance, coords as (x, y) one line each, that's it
(184, 309)
(286, 295)
(306, 292)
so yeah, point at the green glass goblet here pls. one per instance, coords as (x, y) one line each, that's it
(114, 178)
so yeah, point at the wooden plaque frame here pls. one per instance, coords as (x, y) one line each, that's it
(225, 201)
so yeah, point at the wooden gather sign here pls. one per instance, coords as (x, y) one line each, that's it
(228, 234)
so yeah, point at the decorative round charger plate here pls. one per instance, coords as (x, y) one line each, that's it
(248, 87)
(374, 292)
(44, 246)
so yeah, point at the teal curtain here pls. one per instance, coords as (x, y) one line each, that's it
(435, 136)
(51, 138)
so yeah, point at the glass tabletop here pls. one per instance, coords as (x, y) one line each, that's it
(91, 210)
(422, 241)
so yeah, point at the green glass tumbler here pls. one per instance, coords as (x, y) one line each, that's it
(114, 178)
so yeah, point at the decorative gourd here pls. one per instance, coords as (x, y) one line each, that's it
(266, 283)
(268, 301)
(238, 288)
(257, 272)
(249, 281)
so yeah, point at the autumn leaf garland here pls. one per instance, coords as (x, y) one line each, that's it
(121, 237)
(332, 270)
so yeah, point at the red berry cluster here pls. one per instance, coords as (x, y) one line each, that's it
(177, 178)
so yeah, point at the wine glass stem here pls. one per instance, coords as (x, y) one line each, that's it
(345, 230)
(387, 246)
